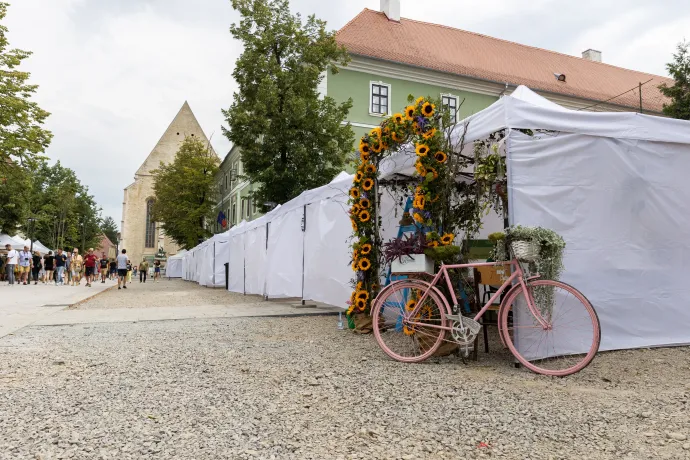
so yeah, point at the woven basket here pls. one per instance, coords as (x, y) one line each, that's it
(525, 251)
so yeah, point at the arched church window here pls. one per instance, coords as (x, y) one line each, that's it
(150, 225)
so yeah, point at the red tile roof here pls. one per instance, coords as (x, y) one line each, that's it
(470, 54)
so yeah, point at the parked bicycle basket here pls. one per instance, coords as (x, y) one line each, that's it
(525, 251)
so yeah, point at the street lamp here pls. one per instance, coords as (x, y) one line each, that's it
(31, 236)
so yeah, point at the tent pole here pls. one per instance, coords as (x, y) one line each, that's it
(304, 228)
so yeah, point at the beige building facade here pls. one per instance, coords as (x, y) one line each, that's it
(141, 236)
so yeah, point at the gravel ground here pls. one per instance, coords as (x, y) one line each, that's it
(166, 293)
(298, 388)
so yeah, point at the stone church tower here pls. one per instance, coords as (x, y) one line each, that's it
(142, 237)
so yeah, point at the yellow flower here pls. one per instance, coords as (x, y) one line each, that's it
(361, 305)
(364, 157)
(396, 137)
(419, 100)
(376, 132)
(433, 171)
(364, 148)
(409, 112)
(364, 264)
(384, 146)
(408, 331)
(354, 225)
(398, 118)
(430, 133)
(355, 209)
(362, 295)
(419, 202)
(418, 217)
(447, 239)
(441, 157)
(365, 248)
(376, 148)
(422, 150)
(418, 190)
(433, 244)
(359, 286)
(428, 109)
(421, 170)
(370, 169)
(354, 266)
(354, 193)
(364, 216)
(358, 176)
(350, 310)
(364, 203)
(410, 305)
(367, 184)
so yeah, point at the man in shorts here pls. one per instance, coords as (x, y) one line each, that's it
(104, 268)
(24, 265)
(90, 264)
(75, 267)
(122, 262)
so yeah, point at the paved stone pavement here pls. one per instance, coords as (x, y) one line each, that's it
(22, 306)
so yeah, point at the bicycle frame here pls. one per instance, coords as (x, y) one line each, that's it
(517, 274)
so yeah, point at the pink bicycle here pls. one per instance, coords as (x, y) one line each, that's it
(549, 326)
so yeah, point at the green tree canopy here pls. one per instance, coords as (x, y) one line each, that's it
(291, 139)
(679, 93)
(22, 138)
(185, 192)
(109, 228)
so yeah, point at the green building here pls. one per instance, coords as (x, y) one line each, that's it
(393, 57)
(234, 192)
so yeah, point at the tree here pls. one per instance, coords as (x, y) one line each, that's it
(679, 93)
(185, 192)
(15, 184)
(291, 139)
(109, 228)
(22, 139)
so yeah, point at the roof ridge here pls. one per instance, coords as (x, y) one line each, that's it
(511, 42)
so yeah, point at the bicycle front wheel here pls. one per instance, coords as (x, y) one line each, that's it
(567, 341)
(414, 339)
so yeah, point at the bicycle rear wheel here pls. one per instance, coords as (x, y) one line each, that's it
(402, 341)
(572, 334)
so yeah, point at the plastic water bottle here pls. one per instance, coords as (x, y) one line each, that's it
(341, 327)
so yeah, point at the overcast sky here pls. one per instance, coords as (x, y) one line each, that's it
(113, 73)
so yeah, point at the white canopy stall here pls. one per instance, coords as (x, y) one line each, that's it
(614, 186)
(174, 265)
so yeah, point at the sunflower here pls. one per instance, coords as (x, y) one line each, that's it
(418, 217)
(429, 134)
(364, 157)
(376, 132)
(419, 190)
(364, 203)
(361, 305)
(408, 331)
(441, 157)
(384, 145)
(377, 147)
(426, 312)
(419, 100)
(355, 208)
(359, 286)
(350, 310)
(447, 239)
(433, 244)
(370, 169)
(365, 248)
(364, 148)
(421, 170)
(432, 171)
(367, 184)
(419, 202)
(354, 193)
(354, 225)
(398, 118)
(358, 176)
(354, 266)
(409, 112)
(396, 137)
(410, 305)
(362, 295)
(364, 264)
(422, 150)
(428, 109)
(364, 216)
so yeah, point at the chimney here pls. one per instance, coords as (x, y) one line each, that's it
(591, 55)
(392, 9)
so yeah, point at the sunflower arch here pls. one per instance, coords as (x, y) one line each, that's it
(419, 126)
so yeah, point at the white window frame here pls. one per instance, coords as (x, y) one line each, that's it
(457, 101)
(371, 98)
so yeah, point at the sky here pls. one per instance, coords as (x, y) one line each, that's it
(113, 73)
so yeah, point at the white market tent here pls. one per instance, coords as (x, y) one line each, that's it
(15, 242)
(614, 186)
(173, 266)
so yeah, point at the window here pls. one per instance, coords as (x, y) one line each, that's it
(249, 207)
(254, 206)
(380, 98)
(234, 211)
(226, 180)
(150, 225)
(244, 204)
(450, 103)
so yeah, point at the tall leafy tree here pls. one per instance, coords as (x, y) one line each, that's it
(15, 187)
(291, 139)
(679, 93)
(22, 137)
(109, 228)
(185, 192)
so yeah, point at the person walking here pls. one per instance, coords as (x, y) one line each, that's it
(129, 272)
(75, 267)
(90, 266)
(60, 264)
(24, 265)
(104, 268)
(113, 269)
(143, 270)
(122, 262)
(36, 266)
(49, 266)
(156, 271)
(12, 260)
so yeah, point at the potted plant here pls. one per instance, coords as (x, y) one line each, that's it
(406, 254)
